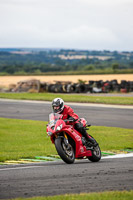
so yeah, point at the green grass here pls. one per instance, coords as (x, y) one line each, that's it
(113, 195)
(69, 98)
(23, 139)
(76, 72)
(27, 139)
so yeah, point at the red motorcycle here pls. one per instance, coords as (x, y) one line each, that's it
(69, 143)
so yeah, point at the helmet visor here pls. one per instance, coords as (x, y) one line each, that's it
(56, 108)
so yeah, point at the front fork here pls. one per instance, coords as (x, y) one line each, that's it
(65, 139)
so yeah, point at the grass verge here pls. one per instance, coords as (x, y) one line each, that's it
(115, 195)
(84, 72)
(27, 139)
(69, 98)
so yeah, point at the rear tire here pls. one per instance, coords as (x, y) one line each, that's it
(66, 155)
(96, 154)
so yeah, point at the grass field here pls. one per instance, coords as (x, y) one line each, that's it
(69, 98)
(113, 195)
(27, 139)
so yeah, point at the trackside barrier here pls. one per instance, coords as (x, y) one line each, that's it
(69, 87)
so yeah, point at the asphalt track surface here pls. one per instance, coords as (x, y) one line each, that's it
(95, 114)
(52, 178)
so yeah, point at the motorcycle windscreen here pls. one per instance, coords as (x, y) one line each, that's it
(53, 117)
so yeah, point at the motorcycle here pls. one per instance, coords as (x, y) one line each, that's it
(69, 143)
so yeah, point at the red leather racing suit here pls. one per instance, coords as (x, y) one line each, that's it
(68, 112)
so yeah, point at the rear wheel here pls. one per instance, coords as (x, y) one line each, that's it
(66, 152)
(96, 154)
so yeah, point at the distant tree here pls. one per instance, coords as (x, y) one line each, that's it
(131, 64)
(89, 67)
(115, 66)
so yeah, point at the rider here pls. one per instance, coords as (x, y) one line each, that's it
(68, 113)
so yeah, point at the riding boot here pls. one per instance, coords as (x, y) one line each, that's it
(93, 141)
(89, 138)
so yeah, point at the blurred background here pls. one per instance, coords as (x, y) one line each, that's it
(58, 37)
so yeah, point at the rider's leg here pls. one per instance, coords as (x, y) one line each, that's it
(93, 141)
(79, 127)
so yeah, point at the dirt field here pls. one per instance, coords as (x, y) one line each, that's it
(7, 80)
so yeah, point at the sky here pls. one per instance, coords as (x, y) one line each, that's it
(70, 24)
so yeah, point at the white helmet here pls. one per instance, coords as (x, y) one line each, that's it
(58, 105)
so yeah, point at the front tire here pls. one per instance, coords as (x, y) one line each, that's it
(67, 155)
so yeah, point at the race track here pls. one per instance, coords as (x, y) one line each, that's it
(59, 178)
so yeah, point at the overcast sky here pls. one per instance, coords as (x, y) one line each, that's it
(80, 24)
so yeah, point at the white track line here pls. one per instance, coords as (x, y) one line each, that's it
(28, 167)
(128, 155)
(71, 103)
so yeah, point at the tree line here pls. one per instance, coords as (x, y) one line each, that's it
(22, 61)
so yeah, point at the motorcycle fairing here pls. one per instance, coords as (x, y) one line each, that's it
(80, 150)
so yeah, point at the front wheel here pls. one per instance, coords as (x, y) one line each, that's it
(96, 154)
(65, 152)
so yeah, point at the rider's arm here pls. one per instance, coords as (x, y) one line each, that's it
(72, 114)
(71, 118)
